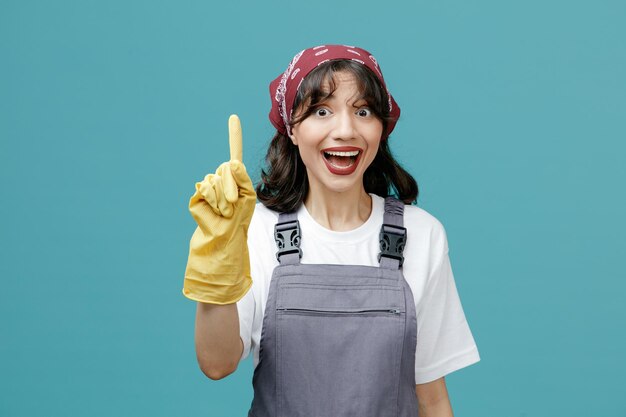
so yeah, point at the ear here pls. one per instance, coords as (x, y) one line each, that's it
(293, 138)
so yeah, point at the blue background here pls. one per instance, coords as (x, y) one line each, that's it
(513, 124)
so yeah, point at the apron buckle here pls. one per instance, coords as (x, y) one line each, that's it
(287, 236)
(392, 239)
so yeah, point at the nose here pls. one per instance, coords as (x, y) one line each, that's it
(344, 128)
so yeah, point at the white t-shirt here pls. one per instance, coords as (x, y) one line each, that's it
(444, 340)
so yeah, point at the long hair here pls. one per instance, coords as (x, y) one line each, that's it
(284, 184)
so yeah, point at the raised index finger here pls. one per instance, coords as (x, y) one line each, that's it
(234, 138)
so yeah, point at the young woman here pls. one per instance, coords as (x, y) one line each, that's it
(340, 287)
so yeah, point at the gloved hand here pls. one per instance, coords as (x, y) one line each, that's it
(218, 267)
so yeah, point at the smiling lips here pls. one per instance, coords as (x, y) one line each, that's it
(342, 160)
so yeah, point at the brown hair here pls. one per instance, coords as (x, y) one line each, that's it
(285, 184)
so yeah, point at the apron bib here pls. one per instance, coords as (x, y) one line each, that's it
(338, 340)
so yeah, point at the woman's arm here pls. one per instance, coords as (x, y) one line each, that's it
(218, 345)
(432, 399)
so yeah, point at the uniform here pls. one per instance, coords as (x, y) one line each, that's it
(435, 331)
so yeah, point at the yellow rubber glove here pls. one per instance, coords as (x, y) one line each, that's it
(218, 267)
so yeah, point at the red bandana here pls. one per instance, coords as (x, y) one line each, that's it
(284, 88)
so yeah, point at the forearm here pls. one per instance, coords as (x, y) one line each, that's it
(439, 409)
(218, 345)
(433, 400)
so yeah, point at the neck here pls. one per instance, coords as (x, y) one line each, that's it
(339, 211)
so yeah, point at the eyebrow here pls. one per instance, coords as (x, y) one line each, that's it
(358, 99)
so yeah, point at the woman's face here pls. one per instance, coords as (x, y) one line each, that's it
(339, 140)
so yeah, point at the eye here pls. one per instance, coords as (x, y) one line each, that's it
(322, 112)
(364, 112)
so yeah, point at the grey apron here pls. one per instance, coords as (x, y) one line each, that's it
(338, 340)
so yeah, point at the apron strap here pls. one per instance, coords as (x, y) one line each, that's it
(392, 235)
(287, 237)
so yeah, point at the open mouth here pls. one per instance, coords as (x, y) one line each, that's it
(341, 160)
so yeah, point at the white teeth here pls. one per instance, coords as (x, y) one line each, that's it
(351, 153)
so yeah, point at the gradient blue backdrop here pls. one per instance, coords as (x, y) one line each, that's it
(513, 123)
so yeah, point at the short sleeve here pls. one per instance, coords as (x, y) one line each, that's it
(250, 307)
(247, 305)
(245, 309)
(444, 340)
